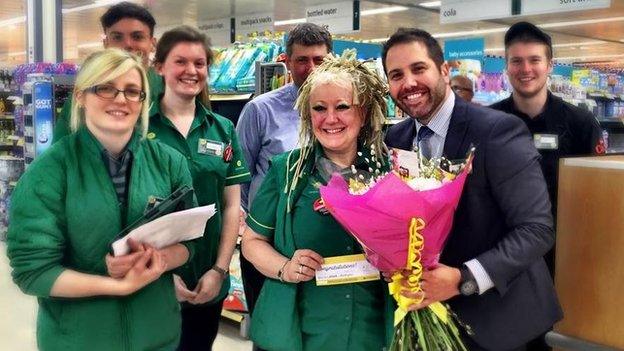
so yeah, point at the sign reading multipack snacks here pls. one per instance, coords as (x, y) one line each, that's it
(339, 18)
(259, 23)
(220, 31)
(464, 49)
(549, 6)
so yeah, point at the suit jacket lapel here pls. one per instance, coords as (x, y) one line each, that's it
(454, 147)
(406, 138)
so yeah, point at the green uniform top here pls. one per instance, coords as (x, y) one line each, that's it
(62, 123)
(216, 161)
(64, 214)
(305, 316)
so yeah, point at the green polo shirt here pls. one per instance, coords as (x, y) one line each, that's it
(336, 317)
(62, 123)
(205, 147)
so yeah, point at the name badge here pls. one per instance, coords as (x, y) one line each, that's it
(546, 141)
(210, 147)
(346, 270)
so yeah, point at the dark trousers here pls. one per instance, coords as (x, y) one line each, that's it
(252, 284)
(200, 324)
(473, 346)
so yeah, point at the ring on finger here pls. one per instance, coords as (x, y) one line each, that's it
(297, 276)
(300, 269)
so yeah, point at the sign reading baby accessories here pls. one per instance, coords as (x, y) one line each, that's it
(345, 270)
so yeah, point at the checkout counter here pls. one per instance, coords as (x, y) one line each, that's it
(589, 275)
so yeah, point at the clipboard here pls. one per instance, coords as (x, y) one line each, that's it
(181, 199)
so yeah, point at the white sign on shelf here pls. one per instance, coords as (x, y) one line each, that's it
(339, 18)
(549, 6)
(259, 22)
(218, 30)
(455, 11)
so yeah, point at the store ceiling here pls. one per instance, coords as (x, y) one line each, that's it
(574, 42)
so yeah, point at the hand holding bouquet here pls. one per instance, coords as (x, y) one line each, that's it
(402, 219)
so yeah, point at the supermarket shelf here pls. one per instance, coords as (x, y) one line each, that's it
(612, 123)
(230, 96)
(231, 315)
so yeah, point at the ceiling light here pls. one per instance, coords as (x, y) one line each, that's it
(100, 3)
(431, 4)
(290, 21)
(571, 58)
(470, 32)
(390, 9)
(93, 44)
(580, 23)
(12, 21)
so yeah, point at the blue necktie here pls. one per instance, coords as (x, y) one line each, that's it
(424, 133)
(422, 139)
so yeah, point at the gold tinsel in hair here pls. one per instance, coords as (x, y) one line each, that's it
(369, 93)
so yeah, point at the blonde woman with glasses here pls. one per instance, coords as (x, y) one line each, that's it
(74, 199)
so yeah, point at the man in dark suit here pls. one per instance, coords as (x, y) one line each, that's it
(492, 272)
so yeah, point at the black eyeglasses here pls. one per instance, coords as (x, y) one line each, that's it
(109, 92)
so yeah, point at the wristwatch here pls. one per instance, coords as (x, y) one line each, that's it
(224, 273)
(467, 283)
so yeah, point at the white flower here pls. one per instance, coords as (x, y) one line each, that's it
(422, 184)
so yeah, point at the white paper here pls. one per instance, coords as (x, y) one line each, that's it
(168, 230)
(409, 161)
(345, 270)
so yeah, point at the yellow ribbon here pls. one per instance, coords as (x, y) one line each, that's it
(415, 246)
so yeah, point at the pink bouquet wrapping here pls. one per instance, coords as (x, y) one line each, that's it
(404, 230)
(379, 219)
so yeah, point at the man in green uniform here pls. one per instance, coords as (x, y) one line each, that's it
(130, 27)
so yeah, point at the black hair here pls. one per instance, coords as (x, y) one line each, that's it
(308, 34)
(408, 35)
(184, 34)
(525, 32)
(124, 10)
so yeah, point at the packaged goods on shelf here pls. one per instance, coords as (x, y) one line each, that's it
(233, 69)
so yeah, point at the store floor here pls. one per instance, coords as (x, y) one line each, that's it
(17, 325)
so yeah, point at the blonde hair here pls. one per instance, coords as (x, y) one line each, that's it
(102, 67)
(369, 94)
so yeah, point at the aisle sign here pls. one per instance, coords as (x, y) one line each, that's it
(259, 22)
(220, 31)
(532, 7)
(339, 18)
(464, 49)
(455, 11)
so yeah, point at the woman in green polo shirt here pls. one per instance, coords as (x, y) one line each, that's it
(289, 233)
(73, 200)
(182, 119)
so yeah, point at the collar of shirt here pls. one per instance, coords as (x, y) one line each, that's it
(440, 121)
(116, 164)
(439, 124)
(551, 105)
(93, 145)
(202, 113)
(365, 164)
(292, 90)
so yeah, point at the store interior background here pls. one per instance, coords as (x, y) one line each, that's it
(588, 38)
(594, 36)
